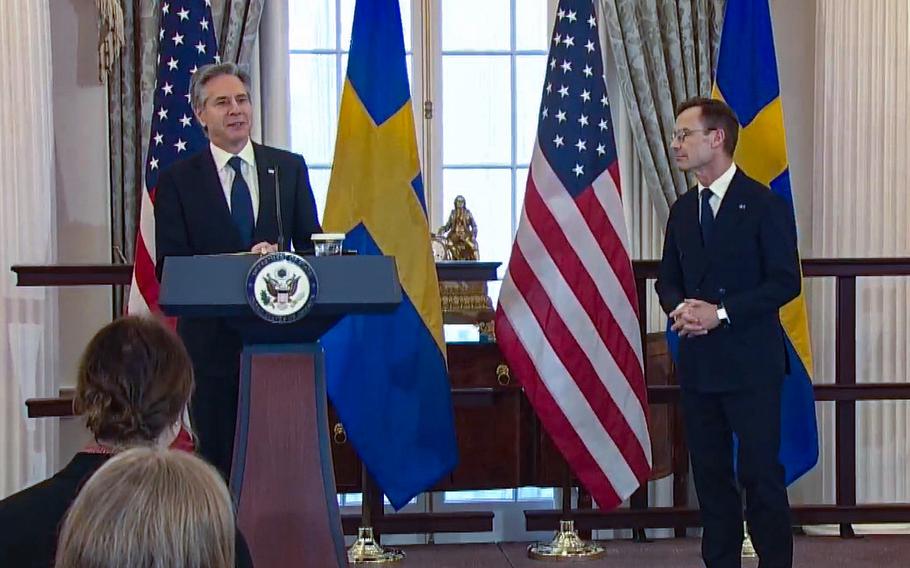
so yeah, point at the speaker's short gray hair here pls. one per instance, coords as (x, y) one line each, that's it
(208, 72)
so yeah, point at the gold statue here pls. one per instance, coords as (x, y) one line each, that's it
(463, 302)
(460, 233)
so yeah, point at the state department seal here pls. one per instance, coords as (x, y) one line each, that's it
(281, 287)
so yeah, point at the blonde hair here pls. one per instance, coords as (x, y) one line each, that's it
(150, 508)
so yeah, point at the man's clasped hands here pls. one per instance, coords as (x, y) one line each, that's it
(694, 317)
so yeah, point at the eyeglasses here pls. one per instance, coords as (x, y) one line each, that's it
(681, 135)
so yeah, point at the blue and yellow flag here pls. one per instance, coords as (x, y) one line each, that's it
(387, 374)
(747, 80)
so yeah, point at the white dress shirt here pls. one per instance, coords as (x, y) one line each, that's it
(247, 168)
(718, 188)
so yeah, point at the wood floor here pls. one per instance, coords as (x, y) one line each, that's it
(823, 552)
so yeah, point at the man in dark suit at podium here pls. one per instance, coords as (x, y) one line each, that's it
(223, 200)
(729, 264)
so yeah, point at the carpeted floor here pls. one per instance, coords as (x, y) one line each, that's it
(823, 552)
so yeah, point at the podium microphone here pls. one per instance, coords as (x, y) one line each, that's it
(273, 171)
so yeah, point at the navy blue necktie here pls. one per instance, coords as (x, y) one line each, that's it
(707, 215)
(241, 204)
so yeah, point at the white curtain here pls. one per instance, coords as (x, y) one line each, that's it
(28, 316)
(861, 208)
(645, 239)
(270, 70)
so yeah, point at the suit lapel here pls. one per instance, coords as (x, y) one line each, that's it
(266, 220)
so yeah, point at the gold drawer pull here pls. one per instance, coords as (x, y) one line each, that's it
(503, 375)
(338, 434)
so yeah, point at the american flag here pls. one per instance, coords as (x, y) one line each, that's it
(567, 321)
(186, 41)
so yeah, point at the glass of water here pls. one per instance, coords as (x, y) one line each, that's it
(328, 244)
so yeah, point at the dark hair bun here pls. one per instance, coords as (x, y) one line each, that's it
(135, 379)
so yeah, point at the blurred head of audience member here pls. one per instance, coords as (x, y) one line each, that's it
(134, 383)
(150, 507)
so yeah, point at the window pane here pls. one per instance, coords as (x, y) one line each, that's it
(349, 499)
(454, 333)
(529, 75)
(410, 63)
(494, 287)
(479, 495)
(476, 102)
(405, 6)
(535, 494)
(531, 24)
(475, 25)
(311, 24)
(314, 106)
(347, 23)
(488, 195)
(521, 181)
(319, 181)
(356, 499)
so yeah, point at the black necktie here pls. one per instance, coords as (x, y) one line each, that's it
(707, 215)
(241, 204)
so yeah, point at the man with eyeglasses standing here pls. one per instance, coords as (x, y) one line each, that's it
(729, 264)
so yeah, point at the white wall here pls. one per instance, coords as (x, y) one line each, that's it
(83, 186)
(794, 38)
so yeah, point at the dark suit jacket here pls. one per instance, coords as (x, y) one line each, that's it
(750, 265)
(192, 217)
(30, 520)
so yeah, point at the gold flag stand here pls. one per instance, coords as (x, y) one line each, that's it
(748, 549)
(566, 545)
(366, 549)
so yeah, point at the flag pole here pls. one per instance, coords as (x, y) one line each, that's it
(366, 549)
(566, 544)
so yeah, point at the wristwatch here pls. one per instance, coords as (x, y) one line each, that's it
(722, 314)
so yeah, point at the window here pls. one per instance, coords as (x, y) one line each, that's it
(319, 34)
(492, 76)
(480, 65)
(520, 494)
(485, 61)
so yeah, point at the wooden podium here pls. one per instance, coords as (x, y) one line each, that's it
(282, 478)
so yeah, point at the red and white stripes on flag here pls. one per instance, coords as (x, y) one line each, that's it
(567, 320)
(567, 325)
(144, 287)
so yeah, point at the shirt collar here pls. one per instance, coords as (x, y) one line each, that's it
(721, 184)
(221, 156)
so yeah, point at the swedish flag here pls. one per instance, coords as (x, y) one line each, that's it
(387, 374)
(747, 80)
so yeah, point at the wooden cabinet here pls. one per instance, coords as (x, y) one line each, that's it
(500, 441)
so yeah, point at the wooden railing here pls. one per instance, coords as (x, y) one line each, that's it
(844, 392)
